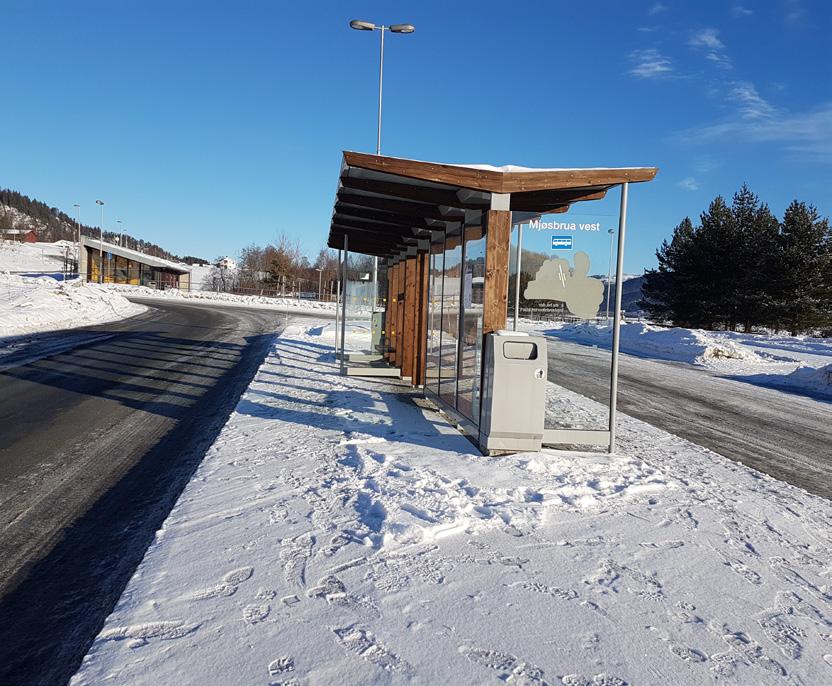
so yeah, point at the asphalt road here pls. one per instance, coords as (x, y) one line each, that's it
(786, 435)
(96, 443)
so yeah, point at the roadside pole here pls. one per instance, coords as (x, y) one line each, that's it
(337, 300)
(517, 261)
(344, 306)
(616, 327)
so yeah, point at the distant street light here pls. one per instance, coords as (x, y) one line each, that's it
(101, 244)
(320, 276)
(121, 233)
(78, 223)
(359, 25)
(609, 275)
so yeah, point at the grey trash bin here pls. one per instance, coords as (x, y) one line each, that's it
(513, 392)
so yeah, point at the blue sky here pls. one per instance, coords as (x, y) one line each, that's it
(207, 126)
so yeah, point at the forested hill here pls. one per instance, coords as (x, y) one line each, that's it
(18, 211)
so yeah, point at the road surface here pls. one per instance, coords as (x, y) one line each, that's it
(96, 443)
(786, 435)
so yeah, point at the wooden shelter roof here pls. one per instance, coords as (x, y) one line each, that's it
(387, 204)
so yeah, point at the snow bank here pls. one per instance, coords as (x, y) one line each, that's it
(680, 345)
(818, 379)
(34, 257)
(812, 380)
(791, 362)
(313, 306)
(33, 305)
(338, 532)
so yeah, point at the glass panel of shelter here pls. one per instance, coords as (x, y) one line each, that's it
(363, 303)
(470, 339)
(451, 302)
(359, 295)
(566, 260)
(455, 317)
(434, 325)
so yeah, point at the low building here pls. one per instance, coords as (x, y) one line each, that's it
(20, 235)
(109, 263)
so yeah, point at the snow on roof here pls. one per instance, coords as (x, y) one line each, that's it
(136, 255)
(514, 168)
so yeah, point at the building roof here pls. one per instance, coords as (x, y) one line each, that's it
(384, 205)
(136, 256)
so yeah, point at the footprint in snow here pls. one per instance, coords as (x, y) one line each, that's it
(139, 634)
(228, 585)
(254, 614)
(282, 665)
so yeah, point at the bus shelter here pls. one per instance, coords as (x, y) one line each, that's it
(446, 245)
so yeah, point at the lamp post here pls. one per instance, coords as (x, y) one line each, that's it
(320, 276)
(609, 274)
(381, 28)
(395, 28)
(120, 234)
(78, 225)
(101, 243)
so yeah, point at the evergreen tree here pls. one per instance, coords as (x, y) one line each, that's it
(669, 291)
(803, 278)
(754, 255)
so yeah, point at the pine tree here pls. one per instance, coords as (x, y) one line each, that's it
(803, 278)
(669, 291)
(756, 232)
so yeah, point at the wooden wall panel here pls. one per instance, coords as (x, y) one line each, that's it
(388, 314)
(394, 314)
(409, 329)
(400, 289)
(498, 240)
(422, 319)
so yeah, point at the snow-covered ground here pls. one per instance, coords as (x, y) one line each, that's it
(34, 257)
(284, 304)
(797, 362)
(339, 533)
(33, 305)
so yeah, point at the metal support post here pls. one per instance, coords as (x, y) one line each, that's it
(337, 300)
(380, 84)
(616, 327)
(518, 261)
(344, 308)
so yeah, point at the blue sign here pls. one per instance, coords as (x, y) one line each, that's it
(562, 242)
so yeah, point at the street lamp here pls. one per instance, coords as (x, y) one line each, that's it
(121, 233)
(101, 244)
(320, 276)
(395, 28)
(359, 25)
(609, 275)
(78, 223)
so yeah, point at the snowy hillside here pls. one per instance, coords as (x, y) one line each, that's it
(35, 257)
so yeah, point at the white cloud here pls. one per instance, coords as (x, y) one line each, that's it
(708, 41)
(720, 59)
(689, 184)
(656, 9)
(706, 38)
(650, 64)
(807, 134)
(740, 11)
(794, 11)
(751, 104)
